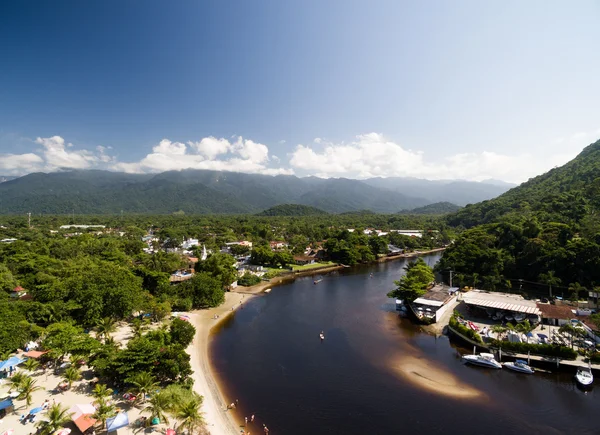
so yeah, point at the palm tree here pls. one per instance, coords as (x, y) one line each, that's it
(576, 288)
(137, 327)
(143, 383)
(26, 388)
(31, 365)
(499, 330)
(104, 411)
(71, 375)
(56, 417)
(190, 415)
(101, 391)
(105, 327)
(16, 380)
(158, 407)
(549, 279)
(475, 279)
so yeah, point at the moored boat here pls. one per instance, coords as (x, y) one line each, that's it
(483, 360)
(519, 366)
(584, 376)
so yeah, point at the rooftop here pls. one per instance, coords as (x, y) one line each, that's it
(550, 311)
(501, 301)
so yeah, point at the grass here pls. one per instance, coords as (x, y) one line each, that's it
(312, 266)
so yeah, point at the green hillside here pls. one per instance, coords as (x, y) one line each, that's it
(292, 210)
(545, 231)
(437, 208)
(566, 194)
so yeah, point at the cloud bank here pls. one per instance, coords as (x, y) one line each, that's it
(368, 155)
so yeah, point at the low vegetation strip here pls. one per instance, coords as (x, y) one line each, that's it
(463, 330)
(537, 349)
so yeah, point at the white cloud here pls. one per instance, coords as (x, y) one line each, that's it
(57, 157)
(17, 164)
(211, 147)
(243, 155)
(372, 155)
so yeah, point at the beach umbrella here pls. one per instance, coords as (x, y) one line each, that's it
(8, 432)
(118, 421)
(170, 432)
(155, 420)
(36, 410)
(65, 431)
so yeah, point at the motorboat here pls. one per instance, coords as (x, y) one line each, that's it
(316, 281)
(483, 359)
(519, 317)
(584, 376)
(322, 336)
(519, 366)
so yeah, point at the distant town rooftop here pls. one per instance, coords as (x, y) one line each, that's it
(66, 227)
(501, 301)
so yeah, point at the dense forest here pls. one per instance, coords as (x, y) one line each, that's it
(292, 210)
(543, 233)
(436, 208)
(86, 275)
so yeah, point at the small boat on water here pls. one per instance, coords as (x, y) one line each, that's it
(316, 281)
(519, 366)
(322, 336)
(483, 360)
(584, 376)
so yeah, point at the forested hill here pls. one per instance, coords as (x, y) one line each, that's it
(437, 208)
(292, 210)
(195, 191)
(544, 232)
(568, 194)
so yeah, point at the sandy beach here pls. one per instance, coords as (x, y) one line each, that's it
(219, 421)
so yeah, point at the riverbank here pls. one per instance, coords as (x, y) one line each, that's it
(219, 421)
(291, 276)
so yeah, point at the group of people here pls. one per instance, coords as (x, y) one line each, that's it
(247, 420)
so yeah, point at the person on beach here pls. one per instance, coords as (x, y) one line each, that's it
(245, 421)
(252, 419)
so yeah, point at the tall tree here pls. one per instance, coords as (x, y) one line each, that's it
(550, 279)
(414, 283)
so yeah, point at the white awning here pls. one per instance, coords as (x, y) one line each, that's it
(429, 302)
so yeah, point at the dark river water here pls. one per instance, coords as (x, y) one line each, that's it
(364, 378)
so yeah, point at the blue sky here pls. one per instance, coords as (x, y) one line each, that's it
(462, 89)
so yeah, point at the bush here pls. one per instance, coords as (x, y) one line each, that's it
(595, 358)
(248, 279)
(537, 349)
(463, 330)
(182, 332)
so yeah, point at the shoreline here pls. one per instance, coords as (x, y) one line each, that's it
(219, 420)
(291, 276)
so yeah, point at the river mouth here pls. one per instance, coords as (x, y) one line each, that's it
(373, 373)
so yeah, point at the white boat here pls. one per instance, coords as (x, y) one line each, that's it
(322, 336)
(519, 366)
(584, 376)
(483, 359)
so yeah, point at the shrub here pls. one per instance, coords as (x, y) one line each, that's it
(537, 349)
(248, 279)
(595, 358)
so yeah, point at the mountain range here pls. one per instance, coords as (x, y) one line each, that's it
(204, 191)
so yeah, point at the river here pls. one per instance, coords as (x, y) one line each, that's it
(375, 373)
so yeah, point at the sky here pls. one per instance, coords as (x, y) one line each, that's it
(439, 90)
